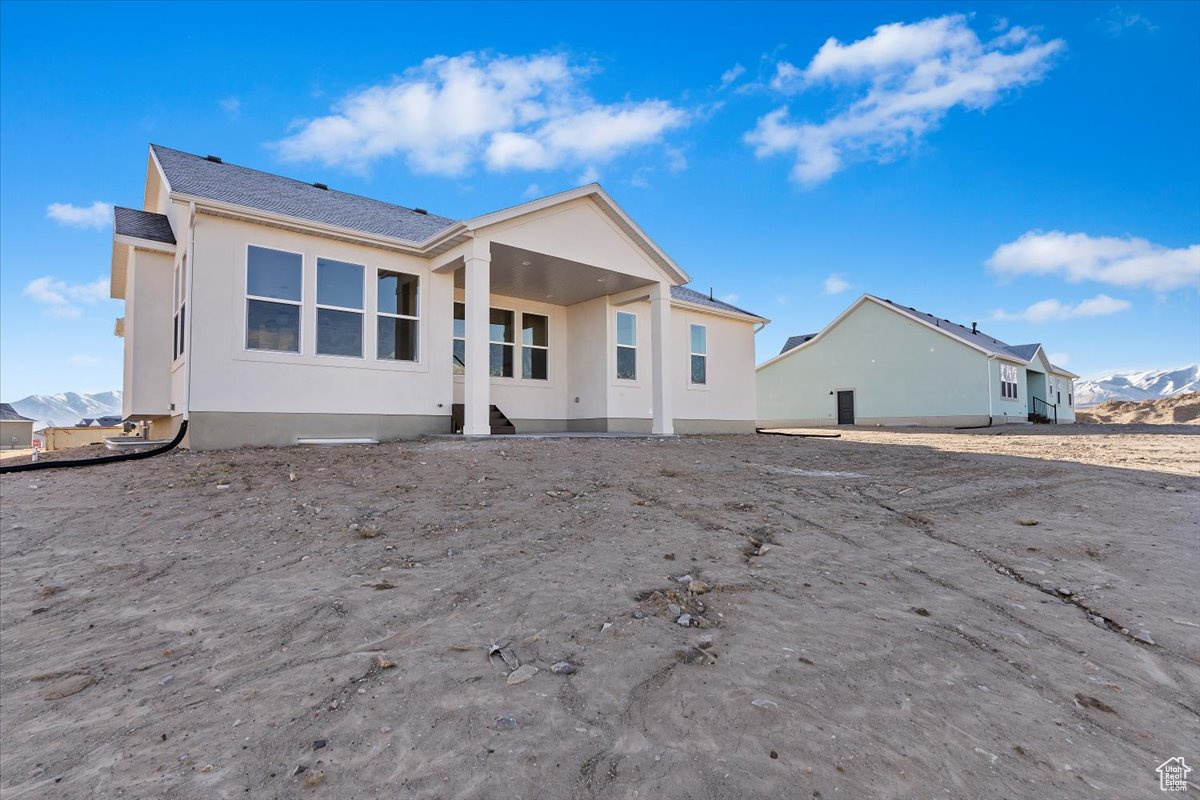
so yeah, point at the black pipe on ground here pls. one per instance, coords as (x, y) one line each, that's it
(974, 427)
(799, 435)
(87, 462)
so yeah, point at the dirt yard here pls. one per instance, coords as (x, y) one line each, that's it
(885, 615)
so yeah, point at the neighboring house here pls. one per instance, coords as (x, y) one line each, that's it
(270, 310)
(16, 432)
(881, 363)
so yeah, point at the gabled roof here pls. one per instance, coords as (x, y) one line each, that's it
(976, 339)
(686, 295)
(142, 225)
(9, 414)
(795, 341)
(206, 179)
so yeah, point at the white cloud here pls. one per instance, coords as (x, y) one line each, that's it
(910, 76)
(232, 106)
(61, 299)
(97, 215)
(732, 74)
(1059, 359)
(1128, 262)
(836, 284)
(1118, 20)
(589, 175)
(532, 191)
(80, 360)
(507, 113)
(729, 298)
(1055, 311)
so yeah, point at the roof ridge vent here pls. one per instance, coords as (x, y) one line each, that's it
(420, 211)
(214, 159)
(324, 186)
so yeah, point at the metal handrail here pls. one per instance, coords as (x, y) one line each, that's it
(1051, 406)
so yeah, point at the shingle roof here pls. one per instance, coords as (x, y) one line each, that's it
(142, 225)
(9, 414)
(687, 295)
(795, 341)
(980, 339)
(228, 183)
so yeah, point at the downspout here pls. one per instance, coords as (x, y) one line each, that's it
(191, 301)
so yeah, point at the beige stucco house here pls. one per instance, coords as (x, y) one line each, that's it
(267, 310)
(16, 431)
(882, 363)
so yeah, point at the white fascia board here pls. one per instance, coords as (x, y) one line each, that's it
(145, 244)
(719, 312)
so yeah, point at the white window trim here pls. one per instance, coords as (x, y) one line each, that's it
(390, 315)
(1016, 389)
(247, 297)
(521, 332)
(177, 337)
(617, 347)
(692, 384)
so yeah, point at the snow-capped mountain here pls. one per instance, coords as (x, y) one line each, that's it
(1138, 386)
(68, 408)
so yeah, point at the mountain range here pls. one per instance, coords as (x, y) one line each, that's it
(68, 408)
(1138, 386)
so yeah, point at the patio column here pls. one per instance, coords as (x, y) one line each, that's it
(476, 379)
(660, 354)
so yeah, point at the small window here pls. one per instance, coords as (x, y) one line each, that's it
(398, 316)
(339, 308)
(1008, 381)
(626, 346)
(535, 346)
(179, 320)
(500, 334)
(273, 299)
(699, 343)
(1070, 399)
(460, 338)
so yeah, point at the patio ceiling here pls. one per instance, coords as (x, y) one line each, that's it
(548, 279)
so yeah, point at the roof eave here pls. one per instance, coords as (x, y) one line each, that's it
(720, 312)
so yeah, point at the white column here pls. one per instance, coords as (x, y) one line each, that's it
(660, 355)
(476, 380)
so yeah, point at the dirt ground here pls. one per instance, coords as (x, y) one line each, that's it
(884, 615)
(1184, 408)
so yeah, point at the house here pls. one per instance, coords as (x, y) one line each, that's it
(883, 363)
(268, 310)
(16, 432)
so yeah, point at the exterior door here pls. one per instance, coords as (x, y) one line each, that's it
(845, 408)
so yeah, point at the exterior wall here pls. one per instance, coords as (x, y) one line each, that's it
(1062, 389)
(901, 372)
(588, 370)
(16, 434)
(1006, 409)
(307, 388)
(148, 320)
(729, 394)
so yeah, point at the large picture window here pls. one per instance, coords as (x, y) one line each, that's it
(273, 298)
(626, 346)
(1008, 381)
(535, 346)
(399, 316)
(699, 344)
(339, 308)
(502, 343)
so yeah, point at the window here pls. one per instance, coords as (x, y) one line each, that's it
(626, 346)
(179, 321)
(339, 308)
(1070, 399)
(501, 335)
(460, 338)
(273, 299)
(699, 338)
(535, 346)
(398, 317)
(1008, 381)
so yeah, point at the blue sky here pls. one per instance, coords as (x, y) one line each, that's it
(1029, 166)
